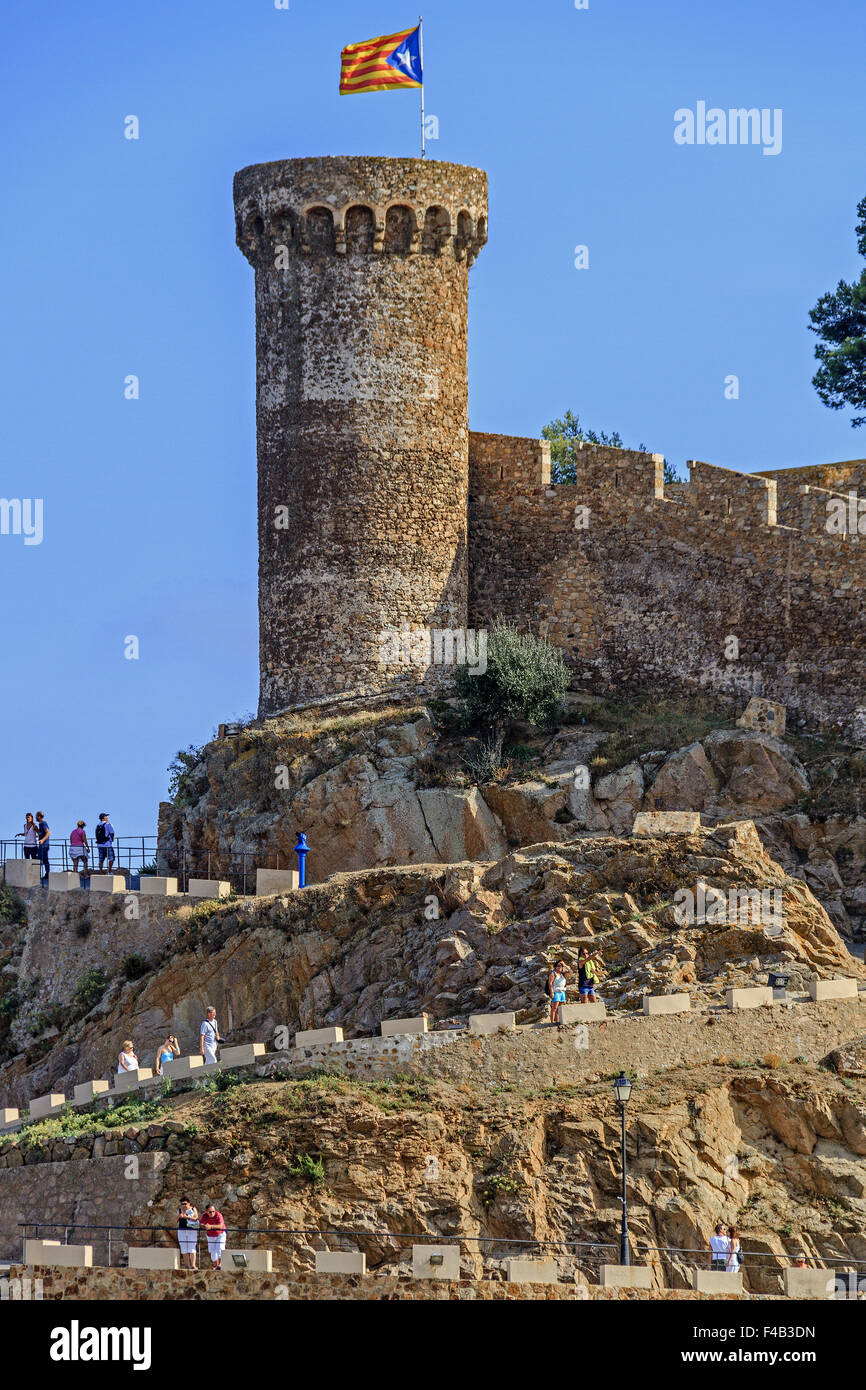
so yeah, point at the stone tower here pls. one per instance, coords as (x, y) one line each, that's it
(361, 270)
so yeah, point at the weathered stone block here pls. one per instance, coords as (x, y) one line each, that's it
(312, 1037)
(87, 1091)
(392, 1027)
(63, 882)
(183, 1066)
(242, 1055)
(129, 1080)
(626, 1277)
(276, 881)
(666, 1004)
(753, 998)
(23, 873)
(532, 1271)
(766, 716)
(261, 1261)
(504, 1022)
(46, 1252)
(107, 883)
(666, 822)
(341, 1262)
(583, 1013)
(208, 888)
(449, 1268)
(810, 1283)
(153, 1257)
(716, 1281)
(40, 1106)
(843, 988)
(155, 886)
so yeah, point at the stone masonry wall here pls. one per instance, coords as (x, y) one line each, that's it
(362, 411)
(645, 595)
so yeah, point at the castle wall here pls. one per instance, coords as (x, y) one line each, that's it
(362, 414)
(795, 508)
(646, 594)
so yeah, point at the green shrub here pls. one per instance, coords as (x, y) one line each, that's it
(12, 911)
(181, 783)
(304, 1166)
(524, 680)
(90, 989)
(134, 966)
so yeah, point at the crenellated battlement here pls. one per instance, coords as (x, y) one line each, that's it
(345, 206)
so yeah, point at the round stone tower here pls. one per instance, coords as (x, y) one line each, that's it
(361, 414)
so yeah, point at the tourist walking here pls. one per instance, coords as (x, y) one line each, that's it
(79, 847)
(126, 1058)
(187, 1233)
(735, 1258)
(31, 837)
(214, 1226)
(587, 975)
(43, 841)
(166, 1052)
(720, 1247)
(209, 1036)
(105, 841)
(556, 987)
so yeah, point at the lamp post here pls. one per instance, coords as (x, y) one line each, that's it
(622, 1091)
(301, 850)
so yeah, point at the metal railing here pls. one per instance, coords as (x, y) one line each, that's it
(131, 852)
(294, 1251)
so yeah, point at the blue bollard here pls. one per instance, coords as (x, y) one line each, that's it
(301, 850)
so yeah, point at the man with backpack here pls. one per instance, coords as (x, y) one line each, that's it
(105, 841)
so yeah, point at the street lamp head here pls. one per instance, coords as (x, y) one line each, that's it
(622, 1088)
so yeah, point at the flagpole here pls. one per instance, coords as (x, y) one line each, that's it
(421, 56)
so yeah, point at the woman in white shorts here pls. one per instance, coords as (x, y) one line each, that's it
(187, 1233)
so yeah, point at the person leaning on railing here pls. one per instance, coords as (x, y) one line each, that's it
(31, 837)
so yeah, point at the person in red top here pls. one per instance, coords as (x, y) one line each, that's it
(213, 1224)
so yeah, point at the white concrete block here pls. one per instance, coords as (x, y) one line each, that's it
(107, 883)
(583, 1013)
(183, 1066)
(393, 1027)
(667, 1004)
(532, 1271)
(129, 1080)
(87, 1091)
(46, 1252)
(341, 1262)
(8, 1117)
(63, 882)
(666, 822)
(260, 1261)
(40, 1106)
(276, 881)
(422, 1268)
(716, 1281)
(810, 1283)
(484, 1024)
(153, 1257)
(208, 888)
(313, 1037)
(749, 998)
(241, 1055)
(841, 988)
(23, 873)
(626, 1277)
(154, 886)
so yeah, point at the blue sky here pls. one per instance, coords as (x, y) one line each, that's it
(119, 258)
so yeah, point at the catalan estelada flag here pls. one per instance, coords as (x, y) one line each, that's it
(385, 64)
